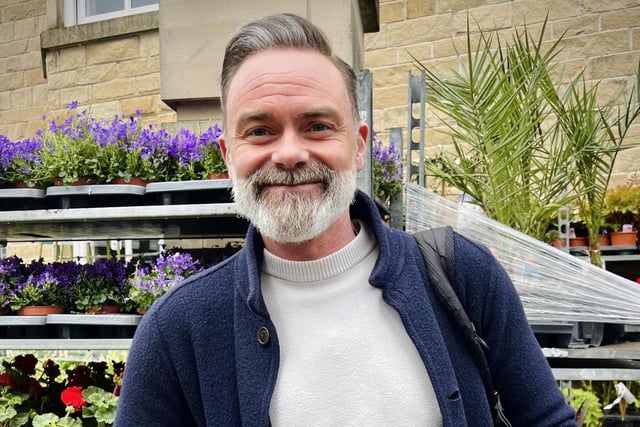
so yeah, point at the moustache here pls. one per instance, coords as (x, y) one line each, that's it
(313, 173)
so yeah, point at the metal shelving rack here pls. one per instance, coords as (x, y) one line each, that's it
(164, 210)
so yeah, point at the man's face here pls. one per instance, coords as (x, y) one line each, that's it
(290, 143)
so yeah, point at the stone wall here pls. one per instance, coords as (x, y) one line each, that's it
(114, 67)
(601, 36)
(110, 68)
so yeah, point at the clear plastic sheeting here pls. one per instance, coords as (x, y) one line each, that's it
(553, 285)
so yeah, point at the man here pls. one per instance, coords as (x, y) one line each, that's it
(326, 316)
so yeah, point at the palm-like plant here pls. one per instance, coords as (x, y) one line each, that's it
(505, 158)
(596, 135)
(521, 149)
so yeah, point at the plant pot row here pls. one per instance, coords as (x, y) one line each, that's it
(619, 238)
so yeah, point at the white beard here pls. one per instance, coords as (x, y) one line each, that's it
(293, 217)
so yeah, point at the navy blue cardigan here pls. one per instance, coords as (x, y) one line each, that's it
(206, 354)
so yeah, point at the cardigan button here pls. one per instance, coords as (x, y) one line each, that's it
(263, 336)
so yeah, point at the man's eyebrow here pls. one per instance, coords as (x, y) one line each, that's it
(328, 112)
(246, 118)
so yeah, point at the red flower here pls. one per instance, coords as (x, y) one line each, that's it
(26, 363)
(73, 396)
(80, 377)
(33, 387)
(7, 380)
(51, 369)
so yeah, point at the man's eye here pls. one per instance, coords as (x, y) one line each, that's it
(258, 132)
(318, 127)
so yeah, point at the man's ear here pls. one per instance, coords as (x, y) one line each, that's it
(223, 148)
(361, 144)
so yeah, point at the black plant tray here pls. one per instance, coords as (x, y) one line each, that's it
(18, 199)
(94, 325)
(67, 326)
(91, 196)
(189, 192)
(26, 327)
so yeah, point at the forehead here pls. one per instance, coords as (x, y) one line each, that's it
(287, 75)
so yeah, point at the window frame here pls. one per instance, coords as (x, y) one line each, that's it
(75, 12)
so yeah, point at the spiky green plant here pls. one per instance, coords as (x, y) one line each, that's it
(522, 148)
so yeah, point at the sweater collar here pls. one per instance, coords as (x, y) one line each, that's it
(363, 209)
(324, 268)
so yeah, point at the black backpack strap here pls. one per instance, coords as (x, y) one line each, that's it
(436, 245)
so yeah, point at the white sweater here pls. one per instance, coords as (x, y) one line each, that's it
(345, 357)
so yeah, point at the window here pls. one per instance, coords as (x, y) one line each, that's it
(85, 11)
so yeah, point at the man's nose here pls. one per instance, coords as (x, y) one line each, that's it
(290, 150)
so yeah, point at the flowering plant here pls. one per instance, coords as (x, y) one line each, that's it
(100, 151)
(99, 283)
(387, 170)
(149, 282)
(189, 156)
(11, 273)
(69, 150)
(19, 161)
(211, 155)
(131, 151)
(45, 284)
(44, 396)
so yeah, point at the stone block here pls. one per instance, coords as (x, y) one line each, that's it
(576, 26)
(391, 12)
(594, 6)
(62, 79)
(619, 65)
(594, 45)
(105, 110)
(419, 8)
(447, 6)
(5, 100)
(25, 28)
(116, 89)
(12, 80)
(418, 30)
(390, 76)
(488, 18)
(380, 58)
(392, 96)
(149, 44)
(39, 94)
(21, 98)
(536, 11)
(113, 50)
(81, 94)
(148, 84)
(25, 61)
(146, 104)
(139, 66)
(98, 73)
(34, 77)
(23, 10)
(72, 58)
(6, 31)
(420, 51)
(625, 18)
(11, 49)
(373, 41)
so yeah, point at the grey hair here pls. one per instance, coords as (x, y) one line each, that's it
(281, 31)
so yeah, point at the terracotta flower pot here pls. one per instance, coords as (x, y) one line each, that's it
(579, 241)
(623, 238)
(223, 175)
(83, 180)
(104, 309)
(40, 310)
(133, 181)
